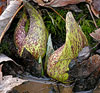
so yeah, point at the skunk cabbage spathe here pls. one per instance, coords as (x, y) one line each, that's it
(58, 62)
(20, 33)
(35, 39)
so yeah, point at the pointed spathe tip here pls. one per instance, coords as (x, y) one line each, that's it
(69, 13)
(69, 16)
(70, 21)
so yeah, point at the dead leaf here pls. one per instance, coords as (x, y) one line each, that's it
(73, 8)
(98, 51)
(96, 34)
(6, 58)
(84, 53)
(87, 74)
(7, 16)
(93, 64)
(87, 67)
(95, 12)
(95, 7)
(2, 5)
(39, 86)
(58, 3)
(95, 4)
(1, 72)
(15, 69)
(40, 2)
(9, 82)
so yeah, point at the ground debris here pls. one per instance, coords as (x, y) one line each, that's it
(9, 82)
(86, 74)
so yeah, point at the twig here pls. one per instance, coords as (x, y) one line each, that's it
(56, 12)
(95, 46)
(50, 17)
(92, 15)
(81, 18)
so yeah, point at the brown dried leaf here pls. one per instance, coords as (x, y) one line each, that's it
(41, 86)
(4, 58)
(58, 3)
(1, 72)
(2, 5)
(9, 82)
(40, 2)
(95, 6)
(93, 63)
(95, 12)
(96, 34)
(87, 67)
(7, 16)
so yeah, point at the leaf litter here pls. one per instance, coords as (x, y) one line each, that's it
(83, 69)
(7, 16)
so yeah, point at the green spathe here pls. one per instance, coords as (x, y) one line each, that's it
(75, 40)
(36, 37)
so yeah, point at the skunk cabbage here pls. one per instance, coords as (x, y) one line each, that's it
(58, 63)
(34, 40)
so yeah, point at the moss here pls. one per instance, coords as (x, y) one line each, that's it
(98, 22)
(55, 24)
(88, 27)
(4, 48)
(57, 27)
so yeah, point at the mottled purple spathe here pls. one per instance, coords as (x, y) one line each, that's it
(36, 38)
(19, 34)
